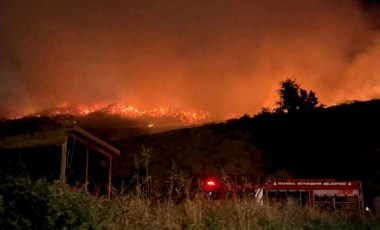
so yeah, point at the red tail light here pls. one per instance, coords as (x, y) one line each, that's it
(210, 185)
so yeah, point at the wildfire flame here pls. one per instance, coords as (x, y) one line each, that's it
(190, 116)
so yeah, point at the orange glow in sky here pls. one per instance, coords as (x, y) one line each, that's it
(222, 57)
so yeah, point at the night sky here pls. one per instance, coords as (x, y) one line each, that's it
(220, 56)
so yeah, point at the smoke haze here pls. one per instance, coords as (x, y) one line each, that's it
(218, 56)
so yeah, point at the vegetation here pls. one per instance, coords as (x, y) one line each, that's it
(296, 139)
(26, 204)
(293, 98)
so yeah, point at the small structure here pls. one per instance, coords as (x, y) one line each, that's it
(71, 154)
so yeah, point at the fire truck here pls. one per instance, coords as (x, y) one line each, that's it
(324, 194)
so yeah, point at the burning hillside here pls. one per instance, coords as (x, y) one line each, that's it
(167, 114)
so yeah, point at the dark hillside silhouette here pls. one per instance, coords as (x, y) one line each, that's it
(195, 152)
(341, 142)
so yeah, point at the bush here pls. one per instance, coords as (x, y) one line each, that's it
(28, 204)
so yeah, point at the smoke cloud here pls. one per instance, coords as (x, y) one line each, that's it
(218, 56)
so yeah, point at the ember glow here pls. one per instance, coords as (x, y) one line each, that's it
(222, 57)
(130, 112)
(186, 116)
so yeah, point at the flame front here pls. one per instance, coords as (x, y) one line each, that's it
(190, 116)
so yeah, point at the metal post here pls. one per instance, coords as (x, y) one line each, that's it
(109, 179)
(361, 199)
(311, 198)
(334, 203)
(63, 160)
(86, 181)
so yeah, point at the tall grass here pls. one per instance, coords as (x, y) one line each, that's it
(25, 204)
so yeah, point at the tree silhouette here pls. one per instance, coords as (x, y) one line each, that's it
(293, 98)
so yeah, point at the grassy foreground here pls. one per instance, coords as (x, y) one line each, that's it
(25, 204)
